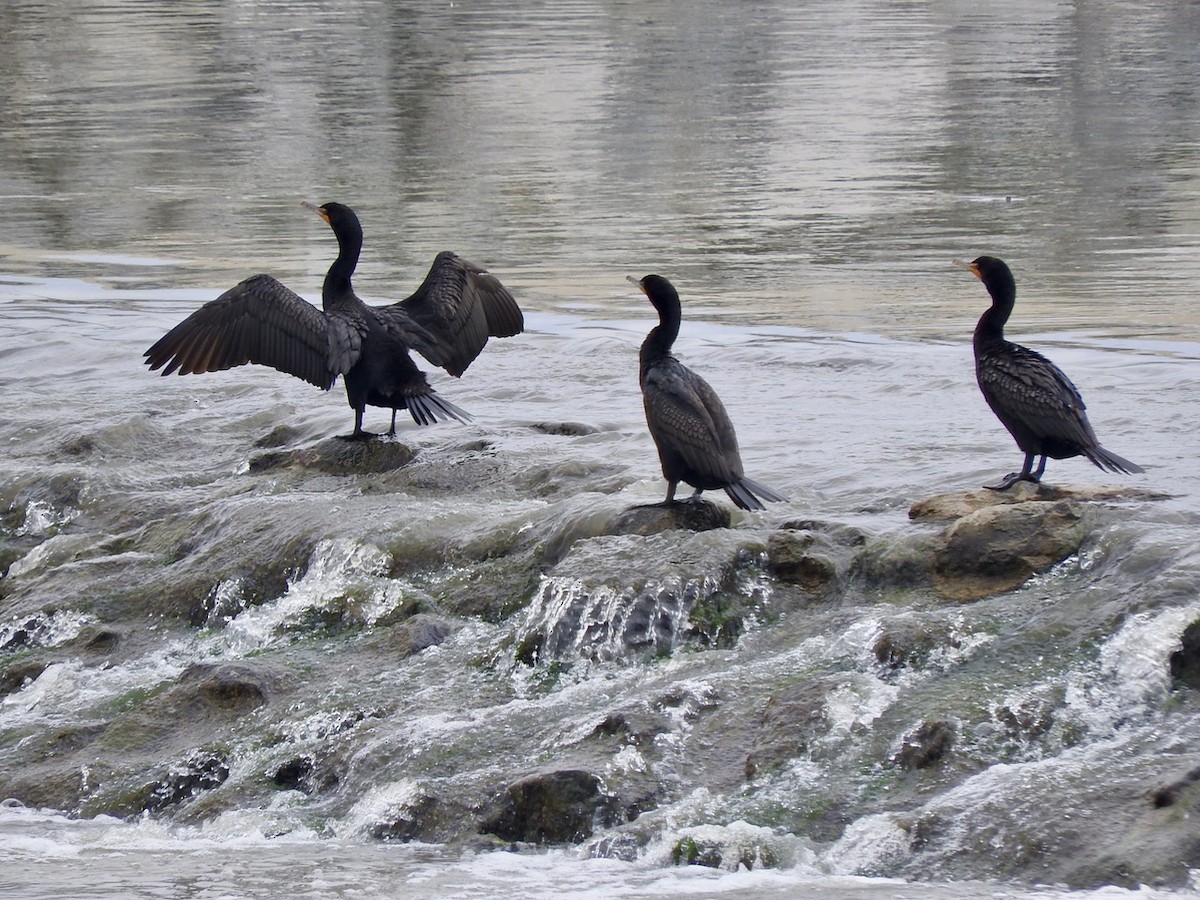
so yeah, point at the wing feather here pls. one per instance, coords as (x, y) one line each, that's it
(260, 321)
(459, 306)
(1020, 384)
(684, 413)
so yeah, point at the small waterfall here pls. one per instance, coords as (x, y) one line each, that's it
(568, 619)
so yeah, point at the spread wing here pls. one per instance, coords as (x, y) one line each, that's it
(685, 414)
(260, 321)
(459, 305)
(1022, 385)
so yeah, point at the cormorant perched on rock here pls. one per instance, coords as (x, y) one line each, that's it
(448, 320)
(1037, 403)
(690, 427)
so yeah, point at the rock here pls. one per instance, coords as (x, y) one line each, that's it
(998, 548)
(419, 633)
(15, 675)
(279, 436)
(555, 807)
(228, 688)
(925, 746)
(802, 558)
(904, 561)
(565, 429)
(1185, 662)
(909, 642)
(685, 515)
(956, 505)
(788, 726)
(337, 456)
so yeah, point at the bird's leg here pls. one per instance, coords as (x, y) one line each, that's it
(671, 485)
(695, 498)
(1037, 476)
(358, 434)
(392, 431)
(1023, 475)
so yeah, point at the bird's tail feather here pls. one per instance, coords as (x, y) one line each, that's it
(1110, 462)
(426, 409)
(747, 493)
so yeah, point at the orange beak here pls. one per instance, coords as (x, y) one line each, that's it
(318, 210)
(969, 266)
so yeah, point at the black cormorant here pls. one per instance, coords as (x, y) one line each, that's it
(690, 427)
(1037, 403)
(448, 320)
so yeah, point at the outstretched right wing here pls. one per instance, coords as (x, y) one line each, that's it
(260, 321)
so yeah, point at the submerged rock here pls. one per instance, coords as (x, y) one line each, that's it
(337, 456)
(561, 806)
(790, 725)
(925, 746)
(1185, 662)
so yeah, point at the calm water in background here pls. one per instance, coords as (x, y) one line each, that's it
(801, 169)
(814, 164)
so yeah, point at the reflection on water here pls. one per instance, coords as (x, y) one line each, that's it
(814, 164)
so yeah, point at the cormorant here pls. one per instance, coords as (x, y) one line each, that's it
(448, 320)
(690, 427)
(1037, 403)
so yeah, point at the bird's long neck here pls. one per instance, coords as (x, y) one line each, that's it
(990, 328)
(661, 338)
(337, 279)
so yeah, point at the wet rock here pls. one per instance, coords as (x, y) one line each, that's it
(634, 727)
(554, 807)
(944, 507)
(418, 633)
(908, 642)
(685, 515)
(998, 548)
(337, 456)
(902, 562)
(802, 558)
(279, 436)
(925, 746)
(294, 774)
(1185, 662)
(201, 771)
(788, 726)
(99, 641)
(731, 847)
(16, 675)
(229, 688)
(1176, 790)
(565, 429)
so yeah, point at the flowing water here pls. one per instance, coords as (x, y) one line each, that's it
(804, 173)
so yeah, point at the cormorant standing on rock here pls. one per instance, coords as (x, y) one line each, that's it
(448, 321)
(1037, 403)
(690, 427)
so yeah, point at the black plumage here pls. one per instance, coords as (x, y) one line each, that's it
(1031, 396)
(448, 320)
(694, 436)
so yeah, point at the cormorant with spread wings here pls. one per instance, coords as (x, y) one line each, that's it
(447, 320)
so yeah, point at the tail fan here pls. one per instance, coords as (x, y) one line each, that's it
(746, 494)
(1110, 462)
(426, 409)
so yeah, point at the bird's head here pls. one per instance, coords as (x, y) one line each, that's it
(658, 289)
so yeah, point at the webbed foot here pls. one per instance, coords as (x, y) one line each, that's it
(1011, 479)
